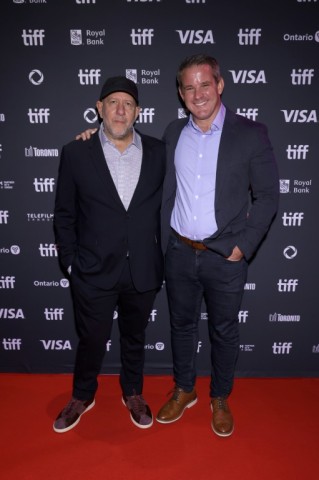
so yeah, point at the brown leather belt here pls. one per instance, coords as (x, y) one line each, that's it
(190, 243)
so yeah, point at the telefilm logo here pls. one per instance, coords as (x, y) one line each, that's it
(40, 217)
(63, 283)
(250, 113)
(89, 37)
(13, 250)
(280, 317)
(144, 77)
(40, 152)
(196, 37)
(247, 348)
(297, 152)
(281, 348)
(248, 76)
(11, 313)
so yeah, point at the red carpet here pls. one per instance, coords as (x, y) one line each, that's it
(276, 433)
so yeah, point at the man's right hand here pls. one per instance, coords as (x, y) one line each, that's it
(86, 135)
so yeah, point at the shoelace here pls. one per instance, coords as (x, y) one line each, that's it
(176, 393)
(222, 404)
(136, 403)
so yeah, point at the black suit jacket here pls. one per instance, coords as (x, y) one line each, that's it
(94, 232)
(247, 185)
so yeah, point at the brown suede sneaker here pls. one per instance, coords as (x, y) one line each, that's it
(174, 408)
(222, 422)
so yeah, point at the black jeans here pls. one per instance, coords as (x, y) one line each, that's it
(94, 309)
(191, 276)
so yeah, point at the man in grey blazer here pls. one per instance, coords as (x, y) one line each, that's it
(219, 198)
(107, 224)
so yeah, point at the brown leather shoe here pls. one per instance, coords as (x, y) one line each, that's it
(174, 408)
(222, 422)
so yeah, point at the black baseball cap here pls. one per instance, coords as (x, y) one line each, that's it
(119, 84)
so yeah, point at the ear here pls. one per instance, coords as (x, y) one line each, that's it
(220, 86)
(137, 112)
(99, 106)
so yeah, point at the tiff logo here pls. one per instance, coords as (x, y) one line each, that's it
(48, 250)
(39, 115)
(89, 77)
(249, 36)
(11, 343)
(297, 152)
(84, 2)
(251, 113)
(43, 184)
(142, 37)
(302, 77)
(242, 316)
(292, 219)
(108, 345)
(146, 115)
(199, 345)
(7, 282)
(195, 1)
(33, 38)
(53, 313)
(4, 215)
(152, 316)
(281, 348)
(287, 285)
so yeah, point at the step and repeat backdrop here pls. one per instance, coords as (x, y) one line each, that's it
(55, 56)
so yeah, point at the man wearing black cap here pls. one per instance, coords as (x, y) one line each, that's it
(107, 224)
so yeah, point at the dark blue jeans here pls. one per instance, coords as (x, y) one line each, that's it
(191, 276)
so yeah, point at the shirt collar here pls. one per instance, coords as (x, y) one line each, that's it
(217, 123)
(137, 142)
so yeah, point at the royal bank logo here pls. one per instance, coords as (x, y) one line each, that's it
(302, 76)
(33, 38)
(36, 77)
(131, 74)
(88, 37)
(249, 36)
(300, 116)
(248, 76)
(76, 37)
(89, 76)
(297, 152)
(301, 187)
(195, 37)
(142, 36)
(250, 113)
(182, 113)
